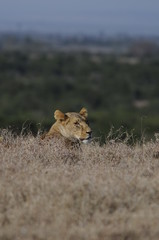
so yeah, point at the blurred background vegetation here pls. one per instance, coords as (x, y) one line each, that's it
(116, 79)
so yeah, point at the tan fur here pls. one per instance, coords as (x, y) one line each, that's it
(72, 126)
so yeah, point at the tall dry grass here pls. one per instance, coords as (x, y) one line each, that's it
(96, 192)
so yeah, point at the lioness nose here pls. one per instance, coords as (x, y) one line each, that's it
(89, 132)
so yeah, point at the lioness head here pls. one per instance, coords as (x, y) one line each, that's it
(72, 125)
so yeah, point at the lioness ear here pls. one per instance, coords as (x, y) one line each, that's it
(58, 115)
(84, 112)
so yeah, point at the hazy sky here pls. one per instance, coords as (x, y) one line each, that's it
(81, 16)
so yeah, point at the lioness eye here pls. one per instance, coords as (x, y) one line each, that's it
(76, 123)
(87, 122)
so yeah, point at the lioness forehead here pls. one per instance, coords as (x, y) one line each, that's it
(75, 116)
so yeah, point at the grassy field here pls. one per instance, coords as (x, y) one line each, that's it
(95, 192)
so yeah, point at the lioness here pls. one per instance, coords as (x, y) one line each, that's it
(72, 126)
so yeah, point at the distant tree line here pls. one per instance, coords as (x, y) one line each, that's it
(117, 93)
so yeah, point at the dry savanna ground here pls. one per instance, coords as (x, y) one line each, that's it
(49, 192)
